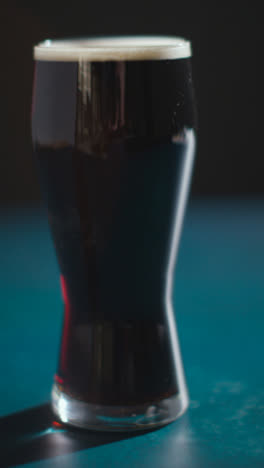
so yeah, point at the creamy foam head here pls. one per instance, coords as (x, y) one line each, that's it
(114, 48)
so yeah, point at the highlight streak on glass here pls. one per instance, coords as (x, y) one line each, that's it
(179, 210)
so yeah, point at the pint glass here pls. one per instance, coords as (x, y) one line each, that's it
(114, 139)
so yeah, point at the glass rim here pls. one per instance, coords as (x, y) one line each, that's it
(113, 48)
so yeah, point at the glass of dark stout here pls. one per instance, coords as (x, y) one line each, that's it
(114, 137)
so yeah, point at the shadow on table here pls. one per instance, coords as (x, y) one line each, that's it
(34, 435)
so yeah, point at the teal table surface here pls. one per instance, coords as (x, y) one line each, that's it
(219, 305)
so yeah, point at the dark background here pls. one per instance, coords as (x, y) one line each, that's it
(226, 54)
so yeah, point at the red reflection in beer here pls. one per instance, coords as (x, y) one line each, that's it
(57, 425)
(64, 290)
(58, 379)
(66, 323)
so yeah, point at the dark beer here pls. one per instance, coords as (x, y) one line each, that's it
(114, 142)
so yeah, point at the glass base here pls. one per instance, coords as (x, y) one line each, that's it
(117, 418)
